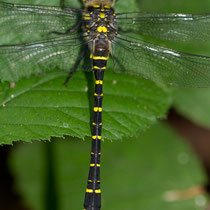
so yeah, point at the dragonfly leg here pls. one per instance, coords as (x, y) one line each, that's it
(74, 28)
(76, 65)
(69, 31)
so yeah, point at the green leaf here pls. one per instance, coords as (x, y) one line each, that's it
(139, 174)
(40, 107)
(178, 6)
(193, 104)
(122, 6)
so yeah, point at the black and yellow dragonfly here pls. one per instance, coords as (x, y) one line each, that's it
(97, 32)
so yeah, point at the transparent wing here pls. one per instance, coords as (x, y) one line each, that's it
(160, 64)
(19, 61)
(35, 19)
(178, 27)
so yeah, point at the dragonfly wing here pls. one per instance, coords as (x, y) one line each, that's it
(19, 61)
(160, 64)
(177, 27)
(35, 19)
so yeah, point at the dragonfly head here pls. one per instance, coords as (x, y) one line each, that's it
(88, 3)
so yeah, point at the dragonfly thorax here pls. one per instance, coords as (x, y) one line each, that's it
(100, 24)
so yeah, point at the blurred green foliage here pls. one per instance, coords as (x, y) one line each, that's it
(137, 173)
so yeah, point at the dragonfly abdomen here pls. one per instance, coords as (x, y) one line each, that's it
(93, 191)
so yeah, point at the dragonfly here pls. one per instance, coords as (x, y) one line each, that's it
(93, 34)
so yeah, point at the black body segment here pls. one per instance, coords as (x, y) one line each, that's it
(100, 31)
(93, 191)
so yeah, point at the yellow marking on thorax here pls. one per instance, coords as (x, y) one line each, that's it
(102, 29)
(102, 15)
(96, 5)
(87, 17)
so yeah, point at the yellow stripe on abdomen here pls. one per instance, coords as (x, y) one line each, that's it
(97, 109)
(99, 82)
(100, 58)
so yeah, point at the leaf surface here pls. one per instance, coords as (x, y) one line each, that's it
(147, 172)
(40, 107)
